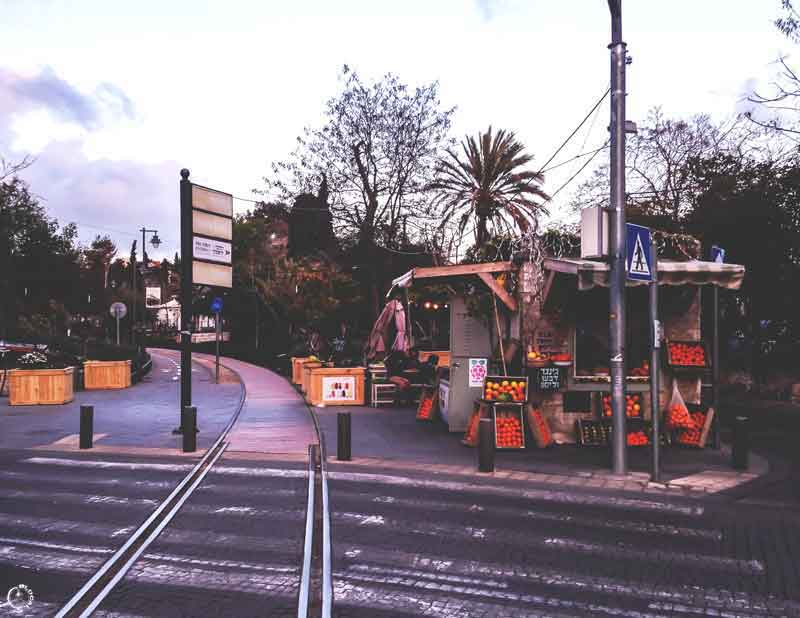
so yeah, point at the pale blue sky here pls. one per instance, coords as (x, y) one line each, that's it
(115, 97)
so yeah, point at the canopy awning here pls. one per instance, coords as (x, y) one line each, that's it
(693, 272)
(483, 271)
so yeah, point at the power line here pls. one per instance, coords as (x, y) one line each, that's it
(575, 175)
(578, 128)
(583, 154)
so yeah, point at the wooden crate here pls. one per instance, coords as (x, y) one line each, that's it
(428, 394)
(514, 412)
(307, 368)
(540, 429)
(29, 387)
(101, 375)
(4, 379)
(336, 386)
(297, 368)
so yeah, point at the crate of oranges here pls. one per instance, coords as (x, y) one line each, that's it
(687, 355)
(509, 426)
(506, 389)
(428, 402)
(633, 405)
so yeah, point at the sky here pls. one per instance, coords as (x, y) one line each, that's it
(113, 98)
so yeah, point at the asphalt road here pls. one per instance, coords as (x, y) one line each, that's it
(435, 546)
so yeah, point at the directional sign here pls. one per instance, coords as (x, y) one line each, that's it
(717, 254)
(212, 249)
(118, 310)
(216, 305)
(638, 260)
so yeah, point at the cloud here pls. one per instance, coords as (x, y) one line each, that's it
(485, 9)
(103, 196)
(47, 91)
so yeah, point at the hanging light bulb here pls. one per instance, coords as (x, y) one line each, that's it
(427, 305)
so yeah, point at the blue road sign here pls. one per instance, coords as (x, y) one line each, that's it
(717, 254)
(638, 260)
(216, 305)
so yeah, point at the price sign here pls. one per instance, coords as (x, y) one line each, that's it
(548, 379)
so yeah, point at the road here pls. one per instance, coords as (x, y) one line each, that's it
(439, 546)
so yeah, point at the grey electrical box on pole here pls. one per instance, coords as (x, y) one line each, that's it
(619, 456)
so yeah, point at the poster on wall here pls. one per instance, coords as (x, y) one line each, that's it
(339, 389)
(478, 368)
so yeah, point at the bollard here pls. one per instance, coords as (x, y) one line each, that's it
(343, 436)
(741, 442)
(486, 445)
(190, 429)
(87, 426)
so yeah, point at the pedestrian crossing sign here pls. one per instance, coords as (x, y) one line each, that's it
(639, 261)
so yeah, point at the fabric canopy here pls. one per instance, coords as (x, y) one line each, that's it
(692, 272)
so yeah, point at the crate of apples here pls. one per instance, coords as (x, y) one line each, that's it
(509, 431)
(508, 390)
(538, 359)
(633, 406)
(687, 354)
(642, 371)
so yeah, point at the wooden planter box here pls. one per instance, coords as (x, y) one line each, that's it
(29, 387)
(100, 375)
(305, 381)
(336, 386)
(297, 368)
(4, 391)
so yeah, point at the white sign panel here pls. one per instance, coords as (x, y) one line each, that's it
(339, 389)
(205, 273)
(478, 368)
(212, 225)
(212, 201)
(214, 250)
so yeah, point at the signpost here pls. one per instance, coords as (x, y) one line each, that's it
(206, 224)
(118, 311)
(216, 308)
(638, 260)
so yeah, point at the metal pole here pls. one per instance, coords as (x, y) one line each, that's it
(617, 242)
(715, 441)
(343, 436)
(216, 372)
(86, 427)
(655, 406)
(190, 429)
(186, 290)
(116, 313)
(485, 445)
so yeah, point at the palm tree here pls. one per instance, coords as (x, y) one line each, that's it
(489, 184)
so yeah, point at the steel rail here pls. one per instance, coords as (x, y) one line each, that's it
(305, 576)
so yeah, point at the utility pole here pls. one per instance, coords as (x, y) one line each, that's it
(616, 243)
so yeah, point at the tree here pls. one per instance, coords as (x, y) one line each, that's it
(97, 263)
(376, 150)
(489, 184)
(750, 208)
(658, 178)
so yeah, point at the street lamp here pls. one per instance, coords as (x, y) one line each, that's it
(156, 242)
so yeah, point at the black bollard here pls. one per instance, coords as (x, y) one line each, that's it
(343, 436)
(190, 429)
(87, 426)
(741, 442)
(486, 445)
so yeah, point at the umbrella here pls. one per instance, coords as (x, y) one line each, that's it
(378, 337)
(401, 340)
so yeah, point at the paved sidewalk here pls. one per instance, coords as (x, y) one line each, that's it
(274, 418)
(140, 417)
(391, 438)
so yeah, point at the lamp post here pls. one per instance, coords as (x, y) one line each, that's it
(617, 241)
(156, 242)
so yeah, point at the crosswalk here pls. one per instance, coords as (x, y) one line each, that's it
(441, 547)
(234, 548)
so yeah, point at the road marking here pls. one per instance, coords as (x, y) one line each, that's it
(545, 495)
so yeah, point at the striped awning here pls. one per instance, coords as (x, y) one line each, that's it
(692, 272)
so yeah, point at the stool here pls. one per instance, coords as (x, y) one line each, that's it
(382, 392)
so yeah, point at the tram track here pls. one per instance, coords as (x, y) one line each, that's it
(315, 586)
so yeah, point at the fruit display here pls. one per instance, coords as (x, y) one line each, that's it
(426, 406)
(538, 359)
(678, 417)
(509, 431)
(593, 433)
(642, 371)
(562, 359)
(508, 389)
(539, 427)
(633, 406)
(697, 435)
(683, 354)
(471, 434)
(638, 438)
